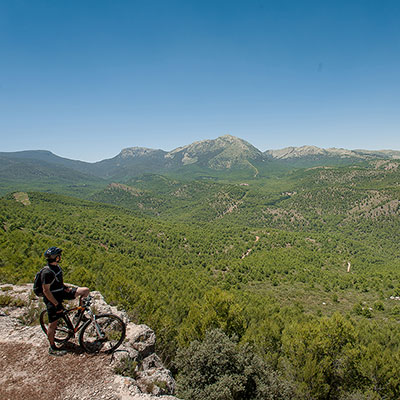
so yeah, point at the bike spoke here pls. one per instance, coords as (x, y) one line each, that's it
(110, 335)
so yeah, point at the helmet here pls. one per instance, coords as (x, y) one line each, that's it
(52, 252)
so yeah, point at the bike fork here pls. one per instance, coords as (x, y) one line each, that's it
(97, 327)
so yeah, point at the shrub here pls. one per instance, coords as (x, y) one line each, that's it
(378, 305)
(9, 301)
(127, 367)
(32, 314)
(362, 310)
(5, 300)
(18, 303)
(395, 311)
(358, 309)
(219, 369)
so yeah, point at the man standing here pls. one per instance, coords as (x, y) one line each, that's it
(54, 292)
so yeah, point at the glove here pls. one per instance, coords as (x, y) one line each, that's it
(59, 308)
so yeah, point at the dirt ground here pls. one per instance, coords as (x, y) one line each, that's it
(29, 372)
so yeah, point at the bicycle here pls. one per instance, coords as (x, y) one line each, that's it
(98, 333)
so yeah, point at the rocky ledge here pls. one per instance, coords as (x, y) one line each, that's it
(19, 310)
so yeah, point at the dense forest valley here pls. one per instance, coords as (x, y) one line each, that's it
(282, 285)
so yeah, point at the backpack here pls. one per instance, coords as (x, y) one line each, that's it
(37, 283)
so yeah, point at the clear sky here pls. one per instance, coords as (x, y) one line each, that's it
(86, 78)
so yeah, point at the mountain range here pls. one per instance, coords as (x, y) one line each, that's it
(207, 158)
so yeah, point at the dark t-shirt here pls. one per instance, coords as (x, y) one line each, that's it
(53, 276)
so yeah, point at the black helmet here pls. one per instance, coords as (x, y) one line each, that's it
(52, 252)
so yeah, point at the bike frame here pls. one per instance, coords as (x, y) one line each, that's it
(75, 328)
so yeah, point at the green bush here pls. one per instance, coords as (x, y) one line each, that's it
(395, 311)
(127, 367)
(32, 314)
(378, 305)
(9, 301)
(362, 310)
(358, 309)
(219, 369)
(5, 300)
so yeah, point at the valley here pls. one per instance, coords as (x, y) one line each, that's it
(300, 261)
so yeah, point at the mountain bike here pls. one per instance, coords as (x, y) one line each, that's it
(97, 333)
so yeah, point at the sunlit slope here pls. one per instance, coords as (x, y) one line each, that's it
(101, 239)
(259, 283)
(166, 198)
(312, 199)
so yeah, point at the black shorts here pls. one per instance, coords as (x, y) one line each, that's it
(70, 295)
(51, 308)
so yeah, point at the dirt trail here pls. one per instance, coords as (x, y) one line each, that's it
(250, 250)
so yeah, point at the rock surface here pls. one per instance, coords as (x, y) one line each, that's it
(28, 372)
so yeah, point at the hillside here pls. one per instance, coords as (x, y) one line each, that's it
(159, 196)
(256, 279)
(42, 170)
(274, 263)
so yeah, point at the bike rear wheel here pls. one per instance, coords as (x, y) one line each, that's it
(107, 338)
(62, 333)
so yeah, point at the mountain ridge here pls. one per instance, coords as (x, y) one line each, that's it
(209, 144)
(210, 158)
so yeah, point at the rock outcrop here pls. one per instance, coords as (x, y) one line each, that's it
(19, 309)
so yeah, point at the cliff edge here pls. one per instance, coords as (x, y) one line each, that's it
(29, 372)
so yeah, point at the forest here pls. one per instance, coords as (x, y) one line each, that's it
(276, 287)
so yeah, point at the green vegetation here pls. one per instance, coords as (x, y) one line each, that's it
(127, 367)
(287, 276)
(9, 301)
(217, 368)
(43, 171)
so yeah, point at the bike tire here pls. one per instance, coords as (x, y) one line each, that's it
(111, 326)
(62, 334)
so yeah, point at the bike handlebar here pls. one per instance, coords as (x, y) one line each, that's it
(87, 301)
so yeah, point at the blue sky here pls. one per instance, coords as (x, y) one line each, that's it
(86, 78)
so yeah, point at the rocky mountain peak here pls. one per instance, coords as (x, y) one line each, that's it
(130, 152)
(295, 152)
(311, 151)
(233, 140)
(220, 153)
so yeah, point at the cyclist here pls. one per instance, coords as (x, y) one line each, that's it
(54, 292)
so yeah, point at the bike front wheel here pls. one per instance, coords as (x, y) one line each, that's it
(105, 334)
(62, 333)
